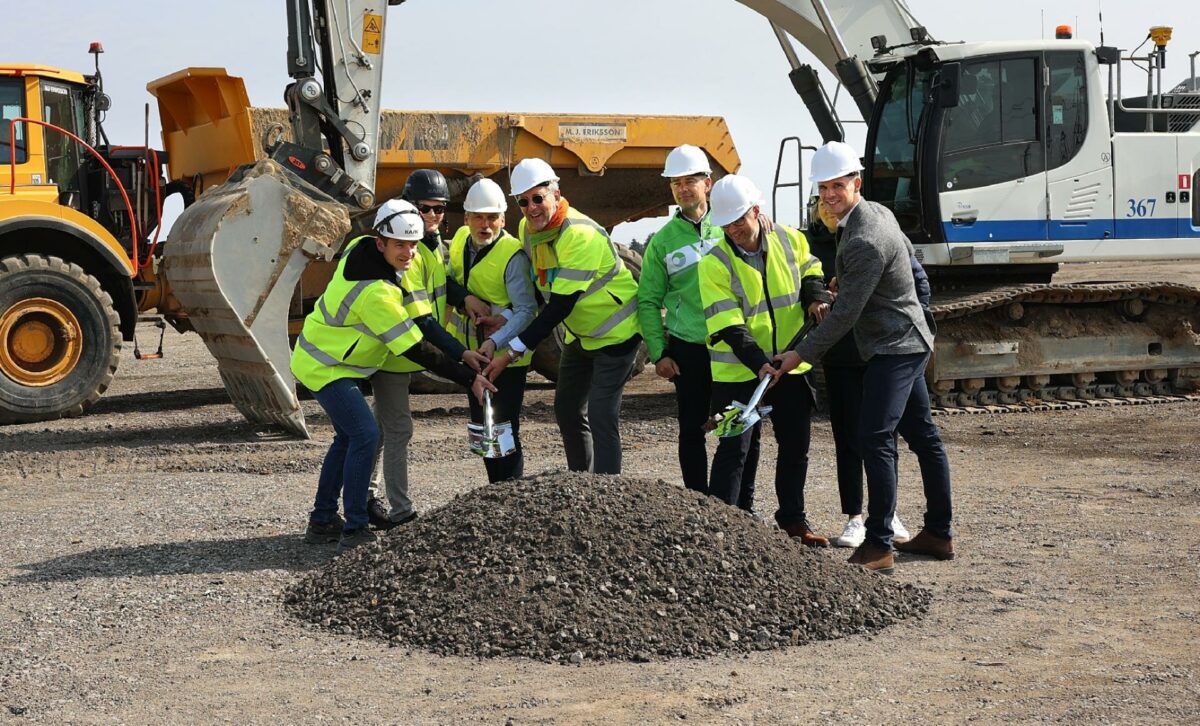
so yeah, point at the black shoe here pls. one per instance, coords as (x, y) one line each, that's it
(403, 520)
(377, 513)
(355, 538)
(326, 533)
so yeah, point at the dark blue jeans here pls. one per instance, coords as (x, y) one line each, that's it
(895, 400)
(346, 470)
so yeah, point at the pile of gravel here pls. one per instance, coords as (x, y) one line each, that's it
(568, 566)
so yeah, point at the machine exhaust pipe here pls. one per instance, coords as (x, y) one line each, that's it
(808, 85)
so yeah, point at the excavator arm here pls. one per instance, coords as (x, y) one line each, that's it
(235, 256)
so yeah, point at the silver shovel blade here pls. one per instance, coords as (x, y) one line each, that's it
(736, 419)
(500, 444)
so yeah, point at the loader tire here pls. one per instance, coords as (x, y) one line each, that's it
(59, 339)
(548, 353)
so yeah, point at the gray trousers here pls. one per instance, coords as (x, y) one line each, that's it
(395, 431)
(587, 405)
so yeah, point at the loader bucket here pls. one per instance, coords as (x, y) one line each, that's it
(233, 259)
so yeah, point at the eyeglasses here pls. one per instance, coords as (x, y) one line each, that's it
(436, 208)
(536, 199)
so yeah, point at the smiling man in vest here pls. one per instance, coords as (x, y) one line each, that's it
(670, 282)
(489, 265)
(594, 297)
(756, 285)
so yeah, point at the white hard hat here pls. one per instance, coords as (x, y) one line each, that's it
(399, 219)
(833, 160)
(732, 197)
(686, 160)
(485, 196)
(530, 173)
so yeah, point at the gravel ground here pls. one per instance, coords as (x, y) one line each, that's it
(149, 545)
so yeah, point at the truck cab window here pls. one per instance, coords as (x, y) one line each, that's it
(12, 105)
(991, 136)
(62, 107)
(1066, 107)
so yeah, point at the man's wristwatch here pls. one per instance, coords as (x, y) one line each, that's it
(513, 355)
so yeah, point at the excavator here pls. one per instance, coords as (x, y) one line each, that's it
(1001, 160)
(84, 258)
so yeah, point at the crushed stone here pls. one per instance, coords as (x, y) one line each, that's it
(577, 568)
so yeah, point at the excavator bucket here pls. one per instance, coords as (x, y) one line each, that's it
(233, 259)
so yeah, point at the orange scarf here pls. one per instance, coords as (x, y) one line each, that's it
(544, 260)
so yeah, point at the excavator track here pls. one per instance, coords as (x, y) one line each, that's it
(1065, 346)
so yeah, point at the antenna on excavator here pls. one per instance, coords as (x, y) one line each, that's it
(1100, 12)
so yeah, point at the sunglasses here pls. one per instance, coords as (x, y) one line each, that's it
(536, 199)
(436, 208)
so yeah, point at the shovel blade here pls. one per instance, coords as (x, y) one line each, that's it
(735, 420)
(500, 444)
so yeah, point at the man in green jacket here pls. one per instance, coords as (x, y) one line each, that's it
(669, 281)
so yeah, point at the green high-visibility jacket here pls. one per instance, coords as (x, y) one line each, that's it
(670, 279)
(768, 304)
(354, 328)
(583, 259)
(485, 282)
(426, 273)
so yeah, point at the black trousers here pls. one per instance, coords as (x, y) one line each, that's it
(506, 406)
(736, 461)
(895, 400)
(693, 390)
(587, 406)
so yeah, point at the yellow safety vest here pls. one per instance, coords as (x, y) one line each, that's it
(354, 328)
(581, 258)
(485, 282)
(426, 274)
(734, 293)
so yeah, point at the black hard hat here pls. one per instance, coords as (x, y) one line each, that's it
(426, 184)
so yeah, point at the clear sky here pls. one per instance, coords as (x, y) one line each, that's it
(710, 57)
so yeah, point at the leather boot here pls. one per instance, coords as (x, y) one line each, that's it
(808, 538)
(377, 513)
(873, 558)
(928, 544)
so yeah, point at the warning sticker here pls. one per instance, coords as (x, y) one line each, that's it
(1185, 181)
(372, 39)
(593, 132)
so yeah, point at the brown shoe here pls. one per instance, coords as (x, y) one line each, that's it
(873, 558)
(928, 544)
(808, 538)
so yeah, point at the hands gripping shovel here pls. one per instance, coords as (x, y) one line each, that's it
(489, 439)
(738, 417)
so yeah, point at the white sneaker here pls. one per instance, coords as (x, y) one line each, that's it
(853, 535)
(899, 531)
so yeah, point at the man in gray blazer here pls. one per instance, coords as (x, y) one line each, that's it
(877, 298)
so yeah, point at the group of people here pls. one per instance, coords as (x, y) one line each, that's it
(727, 298)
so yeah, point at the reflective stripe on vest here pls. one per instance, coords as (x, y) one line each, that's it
(628, 308)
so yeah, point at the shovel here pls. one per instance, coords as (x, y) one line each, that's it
(488, 439)
(738, 417)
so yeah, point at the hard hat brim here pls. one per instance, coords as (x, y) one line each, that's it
(517, 192)
(721, 221)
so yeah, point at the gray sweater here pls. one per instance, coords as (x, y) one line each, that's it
(876, 295)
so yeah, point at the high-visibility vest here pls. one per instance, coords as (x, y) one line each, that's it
(354, 328)
(426, 274)
(734, 293)
(485, 281)
(670, 282)
(586, 261)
